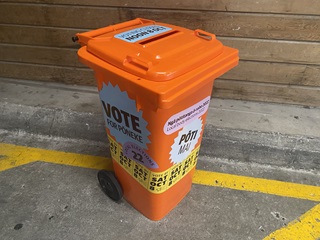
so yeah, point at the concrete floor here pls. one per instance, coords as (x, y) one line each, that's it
(49, 201)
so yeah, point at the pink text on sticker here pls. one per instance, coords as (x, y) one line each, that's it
(186, 116)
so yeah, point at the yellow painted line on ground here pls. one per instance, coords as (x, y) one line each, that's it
(12, 156)
(285, 189)
(306, 227)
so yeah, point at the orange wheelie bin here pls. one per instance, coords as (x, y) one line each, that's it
(155, 82)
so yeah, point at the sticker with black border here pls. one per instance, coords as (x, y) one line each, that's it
(154, 182)
(141, 33)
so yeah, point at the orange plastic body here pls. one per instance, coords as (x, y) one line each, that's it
(168, 72)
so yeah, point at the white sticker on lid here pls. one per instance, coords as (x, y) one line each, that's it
(138, 34)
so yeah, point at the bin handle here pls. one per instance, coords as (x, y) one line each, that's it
(135, 63)
(204, 35)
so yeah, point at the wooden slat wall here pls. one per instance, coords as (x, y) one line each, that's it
(279, 41)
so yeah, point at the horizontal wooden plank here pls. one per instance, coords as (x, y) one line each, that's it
(266, 6)
(309, 96)
(280, 73)
(250, 49)
(59, 16)
(40, 55)
(38, 36)
(80, 76)
(265, 26)
(275, 51)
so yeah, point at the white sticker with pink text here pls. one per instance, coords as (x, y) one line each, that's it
(185, 117)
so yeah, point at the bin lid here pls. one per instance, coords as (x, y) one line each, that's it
(154, 51)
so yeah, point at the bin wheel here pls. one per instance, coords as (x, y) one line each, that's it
(110, 185)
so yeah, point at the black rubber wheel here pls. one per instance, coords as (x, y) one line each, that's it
(110, 185)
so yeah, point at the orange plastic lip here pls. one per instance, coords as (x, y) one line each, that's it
(170, 66)
(165, 95)
(152, 57)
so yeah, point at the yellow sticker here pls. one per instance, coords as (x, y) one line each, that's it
(155, 182)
